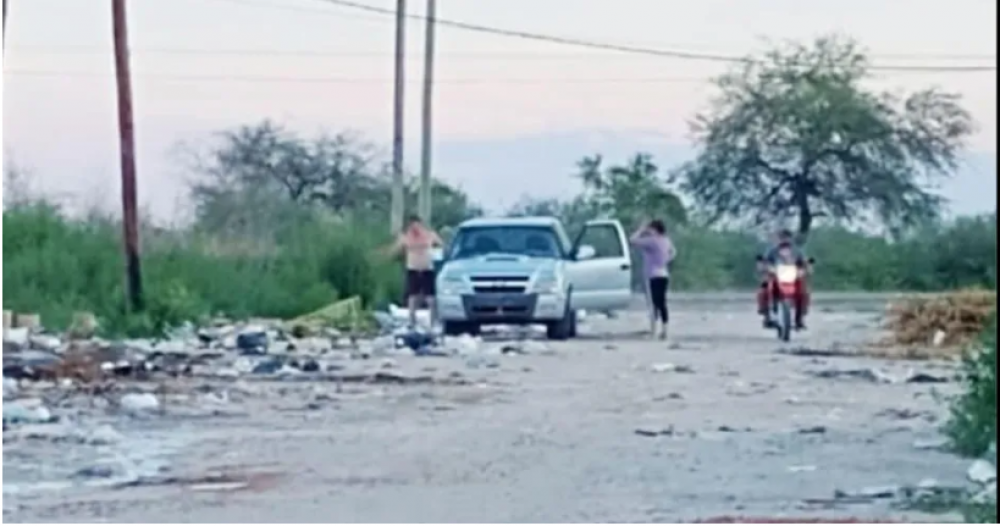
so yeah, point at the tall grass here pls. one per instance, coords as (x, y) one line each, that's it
(289, 263)
(55, 266)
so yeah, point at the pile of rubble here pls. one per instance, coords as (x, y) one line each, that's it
(937, 326)
(81, 362)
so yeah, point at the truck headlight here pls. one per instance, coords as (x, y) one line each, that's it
(452, 283)
(547, 283)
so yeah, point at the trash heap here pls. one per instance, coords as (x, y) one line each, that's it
(939, 325)
(79, 362)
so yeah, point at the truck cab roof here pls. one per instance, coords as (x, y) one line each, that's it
(534, 221)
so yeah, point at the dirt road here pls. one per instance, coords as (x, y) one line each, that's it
(609, 427)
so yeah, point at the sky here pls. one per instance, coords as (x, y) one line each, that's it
(511, 116)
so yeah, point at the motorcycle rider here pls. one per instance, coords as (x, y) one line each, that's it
(784, 246)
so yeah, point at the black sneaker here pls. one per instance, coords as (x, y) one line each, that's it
(770, 324)
(800, 326)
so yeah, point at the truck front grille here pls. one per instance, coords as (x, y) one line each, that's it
(500, 284)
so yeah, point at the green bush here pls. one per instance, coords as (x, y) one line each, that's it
(973, 424)
(289, 263)
(55, 266)
(972, 427)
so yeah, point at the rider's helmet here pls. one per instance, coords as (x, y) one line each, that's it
(785, 237)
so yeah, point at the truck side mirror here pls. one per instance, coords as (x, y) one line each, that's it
(585, 252)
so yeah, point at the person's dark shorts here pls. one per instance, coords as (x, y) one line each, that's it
(420, 283)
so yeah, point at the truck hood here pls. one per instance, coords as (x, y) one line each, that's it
(499, 264)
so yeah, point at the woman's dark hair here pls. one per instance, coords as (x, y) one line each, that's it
(658, 226)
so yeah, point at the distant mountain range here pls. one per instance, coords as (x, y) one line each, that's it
(497, 172)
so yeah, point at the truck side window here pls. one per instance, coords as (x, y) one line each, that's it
(604, 239)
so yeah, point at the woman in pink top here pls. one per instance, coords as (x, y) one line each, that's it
(657, 253)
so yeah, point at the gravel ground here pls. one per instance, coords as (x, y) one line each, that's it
(611, 427)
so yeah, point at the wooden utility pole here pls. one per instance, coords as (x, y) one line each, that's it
(126, 130)
(424, 197)
(4, 43)
(398, 184)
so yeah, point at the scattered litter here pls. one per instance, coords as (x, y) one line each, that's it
(870, 375)
(869, 493)
(655, 432)
(936, 444)
(138, 403)
(808, 352)
(982, 472)
(671, 368)
(813, 430)
(16, 337)
(401, 316)
(10, 387)
(95, 472)
(906, 414)
(219, 486)
(730, 429)
(26, 411)
(987, 496)
(925, 378)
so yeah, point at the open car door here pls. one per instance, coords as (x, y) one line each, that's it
(600, 269)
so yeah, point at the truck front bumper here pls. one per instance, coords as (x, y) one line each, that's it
(501, 308)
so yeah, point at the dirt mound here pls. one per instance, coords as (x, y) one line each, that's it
(936, 326)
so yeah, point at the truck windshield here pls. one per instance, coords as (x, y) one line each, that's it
(538, 242)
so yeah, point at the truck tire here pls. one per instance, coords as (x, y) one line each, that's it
(562, 329)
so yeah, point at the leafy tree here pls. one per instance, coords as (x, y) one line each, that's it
(796, 135)
(449, 205)
(631, 192)
(529, 207)
(258, 179)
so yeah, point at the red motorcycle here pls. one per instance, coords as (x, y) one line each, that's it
(785, 295)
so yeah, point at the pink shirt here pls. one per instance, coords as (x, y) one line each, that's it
(657, 252)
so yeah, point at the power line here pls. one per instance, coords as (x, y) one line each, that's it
(355, 80)
(591, 44)
(278, 79)
(476, 55)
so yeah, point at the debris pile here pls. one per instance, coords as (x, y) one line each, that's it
(936, 326)
(79, 361)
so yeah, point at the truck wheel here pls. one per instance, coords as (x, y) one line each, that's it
(458, 328)
(562, 329)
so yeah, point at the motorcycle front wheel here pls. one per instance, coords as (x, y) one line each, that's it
(784, 320)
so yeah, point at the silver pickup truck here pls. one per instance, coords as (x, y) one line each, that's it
(527, 271)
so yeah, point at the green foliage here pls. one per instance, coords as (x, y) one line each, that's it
(285, 225)
(795, 134)
(55, 266)
(633, 192)
(973, 424)
(942, 256)
(247, 178)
